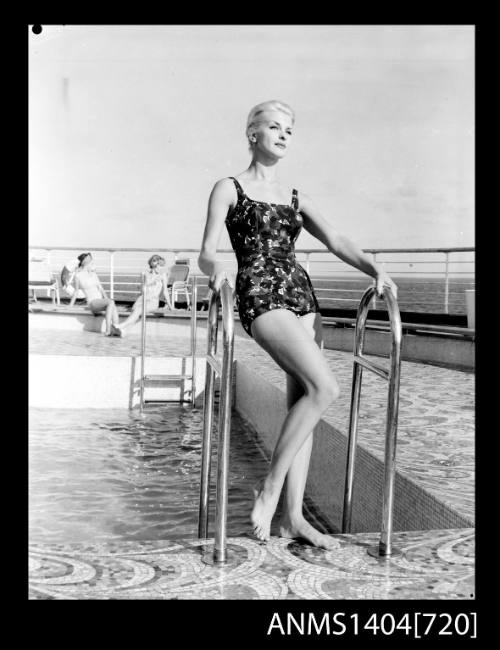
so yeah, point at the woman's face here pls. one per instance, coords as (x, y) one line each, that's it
(273, 133)
(156, 263)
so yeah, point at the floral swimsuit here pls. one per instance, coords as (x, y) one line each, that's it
(269, 277)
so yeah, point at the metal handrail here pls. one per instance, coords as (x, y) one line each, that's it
(225, 298)
(143, 338)
(194, 302)
(385, 548)
(192, 339)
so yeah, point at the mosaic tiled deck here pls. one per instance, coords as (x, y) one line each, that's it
(434, 565)
(435, 450)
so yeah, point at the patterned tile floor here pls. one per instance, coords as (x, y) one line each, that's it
(433, 565)
(435, 448)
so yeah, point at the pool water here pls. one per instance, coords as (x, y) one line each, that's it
(109, 474)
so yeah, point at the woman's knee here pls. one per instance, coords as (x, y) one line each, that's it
(325, 391)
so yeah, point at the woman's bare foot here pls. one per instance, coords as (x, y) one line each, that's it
(266, 501)
(302, 528)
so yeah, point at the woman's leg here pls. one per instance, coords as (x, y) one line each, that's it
(134, 316)
(280, 333)
(110, 307)
(293, 523)
(106, 305)
(111, 314)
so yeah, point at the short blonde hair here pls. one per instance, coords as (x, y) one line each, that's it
(271, 105)
(155, 258)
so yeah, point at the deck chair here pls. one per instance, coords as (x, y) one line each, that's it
(40, 277)
(177, 281)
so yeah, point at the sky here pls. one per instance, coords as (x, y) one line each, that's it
(131, 126)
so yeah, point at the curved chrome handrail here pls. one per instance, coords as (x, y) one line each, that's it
(385, 548)
(225, 298)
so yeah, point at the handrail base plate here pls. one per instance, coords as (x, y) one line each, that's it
(208, 558)
(374, 551)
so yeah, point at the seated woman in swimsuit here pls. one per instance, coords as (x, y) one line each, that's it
(87, 280)
(156, 281)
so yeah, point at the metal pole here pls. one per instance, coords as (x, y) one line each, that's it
(351, 449)
(193, 338)
(111, 275)
(446, 282)
(385, 545)
(208, 409)
(50, 293)
(359, 336)
(374, 255)
(143, 339)
(307, 262)
(220, 552)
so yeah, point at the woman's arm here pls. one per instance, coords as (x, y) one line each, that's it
(166, 295)
(104, 295)
(77, 287)
(341, 246)
(222, 198)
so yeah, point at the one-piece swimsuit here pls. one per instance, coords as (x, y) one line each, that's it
(269, 277)
(154, 285)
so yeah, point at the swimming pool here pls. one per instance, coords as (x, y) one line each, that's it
(114, 474)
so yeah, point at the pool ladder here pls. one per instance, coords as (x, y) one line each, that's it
(385, 549)
(225, 371)
(162, 380)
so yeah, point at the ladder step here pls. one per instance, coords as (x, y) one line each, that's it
(165, 401)
(160, 378)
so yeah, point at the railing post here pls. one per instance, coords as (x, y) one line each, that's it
(49, 291)
(353, 420)
(208, 409)
(111, 274)
(446, 282)
(374, 255)
(220, 552)
(225, 296)
(385, 544)
(143, 340)
(193, 338)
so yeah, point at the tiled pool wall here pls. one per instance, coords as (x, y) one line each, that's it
(77, 381)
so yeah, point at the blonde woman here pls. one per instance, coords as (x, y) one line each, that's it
(277, 304)
(87, 280)
(156, 282)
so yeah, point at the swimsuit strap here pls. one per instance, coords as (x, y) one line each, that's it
(295, 199)
(239, 189)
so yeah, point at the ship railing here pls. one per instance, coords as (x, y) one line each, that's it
(440, 277)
